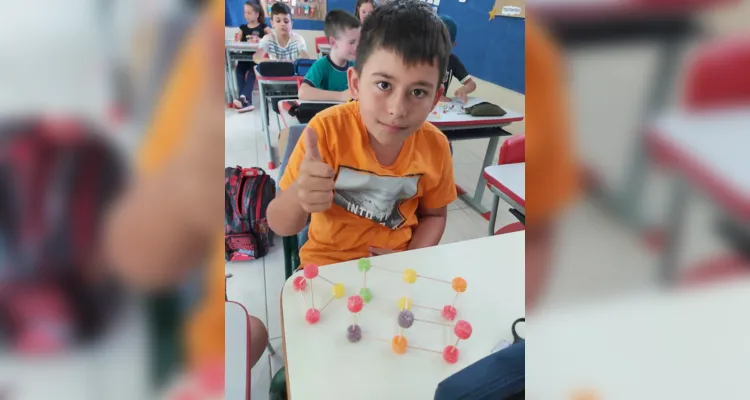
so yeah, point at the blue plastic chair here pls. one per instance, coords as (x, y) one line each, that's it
(292, 244)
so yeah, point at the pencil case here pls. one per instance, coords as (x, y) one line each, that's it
(485, 109)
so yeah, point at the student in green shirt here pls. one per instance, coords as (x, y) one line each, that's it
(326, 80)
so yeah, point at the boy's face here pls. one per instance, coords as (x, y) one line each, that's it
(345, 45)
(394, 98)
(282, 24)
(250, 15)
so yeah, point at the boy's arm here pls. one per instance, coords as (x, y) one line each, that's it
(285, 214)
(260, 54)
(312, 87)
(430, 229)
(433, 207)
(308, 92)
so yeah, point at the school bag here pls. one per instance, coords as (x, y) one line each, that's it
(57, 179)
(248, 191)
(306, 111)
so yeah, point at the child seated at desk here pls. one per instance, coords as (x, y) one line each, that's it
(364, 8)
(251, 33)
(326, 80)
(456, 67)
(375, 176)
(281, 44)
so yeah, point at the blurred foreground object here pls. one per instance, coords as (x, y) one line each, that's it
(705, 143)
(690, 344)
(669, 25)
(57, 177)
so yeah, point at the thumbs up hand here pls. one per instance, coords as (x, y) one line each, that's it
(315, 180)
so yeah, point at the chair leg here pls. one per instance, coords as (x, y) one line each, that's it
(493, 214)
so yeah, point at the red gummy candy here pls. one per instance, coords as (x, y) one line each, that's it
(450, 354)
(449, 312)
(299, 283)
(310, 271)
(312, 315)
(462, 329)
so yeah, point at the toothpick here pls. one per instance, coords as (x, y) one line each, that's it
(455, 299)
(364, 281)
(329, 302)
(428, 308)
(386, 269)
(423, 349)
(325, 279)
(434, 279)
(356, 319)
(312, 295)
(432, 322)
(305, 299)
(455, 346)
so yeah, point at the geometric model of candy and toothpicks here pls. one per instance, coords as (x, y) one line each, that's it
(405, 318)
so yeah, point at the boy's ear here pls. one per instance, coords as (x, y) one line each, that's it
(438, 95)
(353, 78)
(331, 40)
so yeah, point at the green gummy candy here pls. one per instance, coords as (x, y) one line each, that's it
(363, 264)
(365, 294)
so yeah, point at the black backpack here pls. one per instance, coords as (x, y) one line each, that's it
(306, 111)
(248, 191)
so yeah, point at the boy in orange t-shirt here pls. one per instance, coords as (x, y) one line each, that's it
(375, 176)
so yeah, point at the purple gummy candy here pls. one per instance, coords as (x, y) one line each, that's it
(405, 319)
(354, 333)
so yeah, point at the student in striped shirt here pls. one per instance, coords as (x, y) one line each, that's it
(282, 44)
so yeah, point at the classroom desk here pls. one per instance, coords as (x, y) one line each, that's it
(708, 151)
(670, 24)
(507, 181)
(322, 364)
(237, 360)
(324, 48)
(286, 105)
(456, 125)
(667, 345)
(273, 88)
(234, 52)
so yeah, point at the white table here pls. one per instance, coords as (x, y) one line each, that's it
(234, 52)
(507, 181)
(708, 151)
(286, 105)
(322, 364)
(668, 345)
(237, 359)
(325, 49)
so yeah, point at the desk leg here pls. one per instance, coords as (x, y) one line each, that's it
(227, 76)
(475, 201)
(493, 215)
(675, 222)
(264, 118)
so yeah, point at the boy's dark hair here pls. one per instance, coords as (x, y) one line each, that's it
(280, 8)
(360, 3)
(410, 29)
(338, 21)
(258, 9)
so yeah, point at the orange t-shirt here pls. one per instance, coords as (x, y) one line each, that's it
(374, 205)
(551, 176)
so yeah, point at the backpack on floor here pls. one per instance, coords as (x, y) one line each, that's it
(57, 179)
(248, 191)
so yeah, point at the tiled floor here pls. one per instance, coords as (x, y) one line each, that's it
(257, 284)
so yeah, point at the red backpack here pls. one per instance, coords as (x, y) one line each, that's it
(248, 191)
(57, 179)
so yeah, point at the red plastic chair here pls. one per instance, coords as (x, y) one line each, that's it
(512, 151)
(318, 41)
(718, 77)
